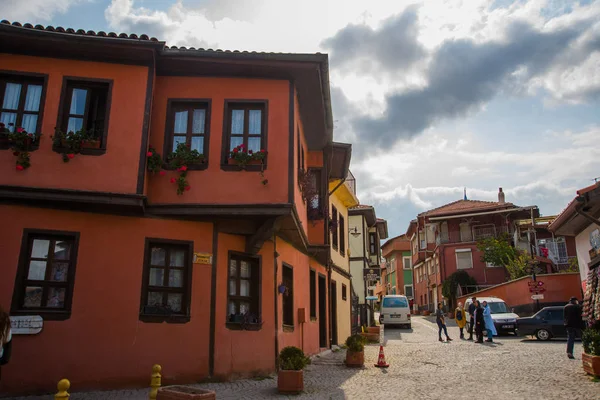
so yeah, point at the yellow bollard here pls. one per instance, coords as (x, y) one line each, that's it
(155, 381)
(63, 386)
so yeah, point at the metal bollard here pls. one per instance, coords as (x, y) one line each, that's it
(63, 386)
(155, 381)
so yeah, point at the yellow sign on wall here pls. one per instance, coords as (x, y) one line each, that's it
(202, 258)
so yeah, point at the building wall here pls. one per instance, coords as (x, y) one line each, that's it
(114, 171)
(407, 273)
(483, 274)
(357, 244)
(338, 259)
(106, 304)
(356, 269)
(583, 246)
(343, 307)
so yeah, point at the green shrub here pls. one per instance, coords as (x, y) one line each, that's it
(292, 359)
(356, 343)
(591, 341)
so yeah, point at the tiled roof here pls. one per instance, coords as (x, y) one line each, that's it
(361, 206)
(466, 206)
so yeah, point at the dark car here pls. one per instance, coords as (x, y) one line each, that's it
(546, 324)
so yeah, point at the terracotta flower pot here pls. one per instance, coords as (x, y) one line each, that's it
(184, 393)
(591, 364)
(290, 381)
(355, 358)
(374, 329)
(371, 337)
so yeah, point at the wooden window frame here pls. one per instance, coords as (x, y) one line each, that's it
(21, 281)
(344, 292)
(312, 292)
(25, 79)
(186, 289)
(318, 213)
(287, 302)
(342, 234)
(334, 234)
(174, 105)
(75, 82)
(246, 104)
(373, 245)
(257, 260)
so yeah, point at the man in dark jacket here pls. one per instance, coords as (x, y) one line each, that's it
(573, 322)
(472, 308)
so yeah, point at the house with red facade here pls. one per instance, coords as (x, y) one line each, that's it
(398, 266)
(444, 240)
(121, 248)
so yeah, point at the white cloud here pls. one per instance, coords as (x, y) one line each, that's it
(35, 11)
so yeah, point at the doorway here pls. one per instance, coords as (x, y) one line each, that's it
(322, 312)
(334, 328)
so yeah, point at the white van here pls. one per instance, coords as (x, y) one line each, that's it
(395, 310)
(504, 319)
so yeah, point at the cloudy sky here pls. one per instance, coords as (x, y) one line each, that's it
(435, 95)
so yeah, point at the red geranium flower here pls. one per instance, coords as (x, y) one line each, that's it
(262, 151)
(19, 130)
(249, 151)
(242, 145)
(235, 150)
(71, 156)
(162, 173)
(20, 168)
(149, 154)
(187, 188)
(183, 168)
(30, 134)
(172, 180)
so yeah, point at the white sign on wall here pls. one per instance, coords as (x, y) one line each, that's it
(26, 324)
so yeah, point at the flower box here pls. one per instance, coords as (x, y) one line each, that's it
(289, 381)
(184, 393)
(591, 364)
(232, 161)
(4, 142)
(355, 359)
(90, 144)
(374, 329)
(371, 337)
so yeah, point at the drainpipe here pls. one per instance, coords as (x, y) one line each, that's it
(330, 302)
(275, 255)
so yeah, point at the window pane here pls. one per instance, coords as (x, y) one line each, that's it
(198, 144)
(11, 96)
(40, 248)
(174, 301)
(177, 140)
(78, 101)
(32, 100)
(245, 270)
(157, 276)
(233, 287)
(244, 307)
(232, 268)
(59, 272)
(175, 278)
(232, 308)
(7, 119)
(177, 258)
(33, 296)
(237, 122)
(198, 120)
(37, 271)
(235, 141)
(255, 122)
(244, 288)
(75, 124)
(254, 144)
(181, 118)
(157, 256)
(62, 250)
(29, 123)
(154, 299)
(56, 297)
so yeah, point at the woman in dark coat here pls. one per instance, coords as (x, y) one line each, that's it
(479, 322)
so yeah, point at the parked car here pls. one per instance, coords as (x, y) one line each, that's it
(504, 320)
(395, 310)
(546, 324)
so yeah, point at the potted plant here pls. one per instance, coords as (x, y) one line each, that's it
(179, 160)
(290, 378)
(355, 355)
(242, 157)
(70, 143)
(21, 143)
(374, 328)
(591, 349)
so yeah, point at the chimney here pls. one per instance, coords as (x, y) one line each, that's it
(500, 196)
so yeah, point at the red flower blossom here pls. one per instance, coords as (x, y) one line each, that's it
(20, 168)
(149, 154)
(242, 145)
(30, 134)
(249, 151)
(187, 188)
(20, 130)
(235, 150)
(162, 173)
(172, 180)
(263, 151)
(183, 168)
(71, 156)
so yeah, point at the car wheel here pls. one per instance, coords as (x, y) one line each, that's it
(542, 334)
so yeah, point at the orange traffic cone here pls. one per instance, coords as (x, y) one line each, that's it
(381, 360)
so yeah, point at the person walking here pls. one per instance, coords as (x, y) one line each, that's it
(5, 339)
(489, 322)
(460, 318)
(573, 323)
(441, 322)
(472, 308)
(479, 321)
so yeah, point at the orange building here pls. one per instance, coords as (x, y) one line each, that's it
(124, 271)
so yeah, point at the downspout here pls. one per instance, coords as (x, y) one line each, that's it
(275, 255)
(330, 302)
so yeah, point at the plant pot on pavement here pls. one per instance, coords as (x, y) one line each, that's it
(289, 381)
(355, 359)
(184, 393)
(591, 364)
(374, 329)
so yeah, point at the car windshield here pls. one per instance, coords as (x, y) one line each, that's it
(394, 302)
(498, 307)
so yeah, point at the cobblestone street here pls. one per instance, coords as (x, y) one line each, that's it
(423, 368)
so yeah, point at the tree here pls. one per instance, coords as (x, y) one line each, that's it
(499, 252)
(451, 283)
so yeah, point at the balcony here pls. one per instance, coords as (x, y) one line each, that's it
(477, 232)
